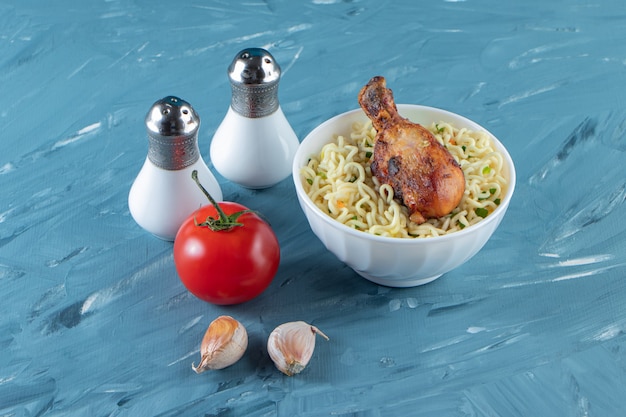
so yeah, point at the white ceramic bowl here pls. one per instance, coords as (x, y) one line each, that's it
(396, 262)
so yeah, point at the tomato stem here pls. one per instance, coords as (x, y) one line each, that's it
(224, 221)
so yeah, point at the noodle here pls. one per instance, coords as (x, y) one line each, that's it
(339, 181)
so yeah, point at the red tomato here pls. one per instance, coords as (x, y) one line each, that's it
(226, 266)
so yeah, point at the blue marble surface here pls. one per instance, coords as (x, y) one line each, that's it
(94, 320)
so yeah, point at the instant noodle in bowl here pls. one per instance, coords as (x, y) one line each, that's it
(358, 219)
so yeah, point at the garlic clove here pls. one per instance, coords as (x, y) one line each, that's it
(223, 344)
(291, 346)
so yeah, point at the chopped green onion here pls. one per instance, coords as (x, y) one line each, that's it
(486, 170)
(439, 129)
(481, 212)
(368, 154)
(461, 225)
(497, 201)
(463, 147)
(492, 190)
(310, 181)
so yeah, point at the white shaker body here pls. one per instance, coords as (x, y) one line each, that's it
(254, 152)
(161, 200)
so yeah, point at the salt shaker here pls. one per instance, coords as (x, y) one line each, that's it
(163, 195)
(254, 145)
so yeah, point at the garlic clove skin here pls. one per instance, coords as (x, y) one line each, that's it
(291, 346)
(223, 344)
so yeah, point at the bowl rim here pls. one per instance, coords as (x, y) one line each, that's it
(303, 197)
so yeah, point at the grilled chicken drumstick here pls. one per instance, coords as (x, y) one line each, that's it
(422, 173)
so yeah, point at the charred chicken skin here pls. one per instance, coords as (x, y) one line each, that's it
(423, 174)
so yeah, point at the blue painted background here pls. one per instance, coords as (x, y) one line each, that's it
(93, 318)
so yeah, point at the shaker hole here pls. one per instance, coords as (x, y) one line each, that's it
(166, 111)
(268, 61)
(185, 111)
(245, 55)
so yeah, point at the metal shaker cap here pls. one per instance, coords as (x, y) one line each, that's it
(172, 126)
(254, 76)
